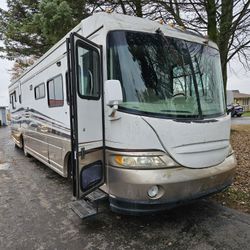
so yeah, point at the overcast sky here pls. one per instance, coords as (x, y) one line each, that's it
(238, 78)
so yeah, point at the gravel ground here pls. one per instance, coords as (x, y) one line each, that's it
(238, 195)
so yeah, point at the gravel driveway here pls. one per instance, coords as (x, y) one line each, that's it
(34, 214)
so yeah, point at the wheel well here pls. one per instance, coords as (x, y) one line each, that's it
(21, 140)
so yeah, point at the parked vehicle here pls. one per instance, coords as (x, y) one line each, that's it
(235, 110)
(132, 107)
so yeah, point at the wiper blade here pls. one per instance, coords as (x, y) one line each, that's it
(195, 83)
(175, 111)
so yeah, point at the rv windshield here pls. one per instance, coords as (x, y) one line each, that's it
(163, 76)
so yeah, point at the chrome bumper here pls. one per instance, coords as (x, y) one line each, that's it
(128, 188)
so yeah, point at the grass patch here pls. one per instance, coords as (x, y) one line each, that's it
(246, 114)
(234, 198)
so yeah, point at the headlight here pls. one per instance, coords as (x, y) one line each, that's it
(141, 161)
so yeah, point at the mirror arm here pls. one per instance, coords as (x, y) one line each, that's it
(114, 108)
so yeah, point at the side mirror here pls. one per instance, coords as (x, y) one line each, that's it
(113, 92)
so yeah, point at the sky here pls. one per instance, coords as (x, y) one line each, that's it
(238, 77)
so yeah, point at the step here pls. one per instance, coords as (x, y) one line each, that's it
(96, 196)
(83, 208)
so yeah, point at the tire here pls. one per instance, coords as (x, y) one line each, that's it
(25, 150)
(239, 115)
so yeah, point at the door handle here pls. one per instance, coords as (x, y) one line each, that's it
(82, 153)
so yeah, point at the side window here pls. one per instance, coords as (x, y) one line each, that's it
(13, 102)
(88, 72)
(67, 87)
(55, 91)
(39, 91)
(13, 99)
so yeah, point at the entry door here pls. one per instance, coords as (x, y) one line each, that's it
(86, 108)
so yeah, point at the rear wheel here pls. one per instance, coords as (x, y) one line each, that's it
(239, 115)
(25, 150)
(20, 146)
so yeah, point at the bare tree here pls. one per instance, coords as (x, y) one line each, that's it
(226, 22)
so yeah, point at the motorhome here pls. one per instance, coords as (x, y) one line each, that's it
(129, 106)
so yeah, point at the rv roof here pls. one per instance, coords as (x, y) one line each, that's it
(121, 22)
(115, 21)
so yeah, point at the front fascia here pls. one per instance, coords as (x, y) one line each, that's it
(191, 144)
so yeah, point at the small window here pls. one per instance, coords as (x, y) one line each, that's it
(13, 102)
(13, 99)
(245, 101)
(55, 92)
(39, 91)
(88, 72)
(67, 87)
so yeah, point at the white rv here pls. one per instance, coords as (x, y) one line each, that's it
(132, 107)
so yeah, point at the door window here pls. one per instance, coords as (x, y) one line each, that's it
(88, 72)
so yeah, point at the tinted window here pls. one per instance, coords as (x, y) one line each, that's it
(55, 92)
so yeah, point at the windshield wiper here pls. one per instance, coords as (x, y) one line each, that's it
(195, 84)
(199, 71)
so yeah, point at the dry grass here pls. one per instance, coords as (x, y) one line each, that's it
(238, 195)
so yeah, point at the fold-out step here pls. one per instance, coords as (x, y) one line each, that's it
(83, 208)
(88, 206)
(96, 196)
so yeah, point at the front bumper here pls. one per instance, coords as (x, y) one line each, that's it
(128, 188)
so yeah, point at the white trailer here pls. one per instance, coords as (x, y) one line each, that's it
(132, 107)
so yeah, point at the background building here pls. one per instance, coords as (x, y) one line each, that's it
(234, 96)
